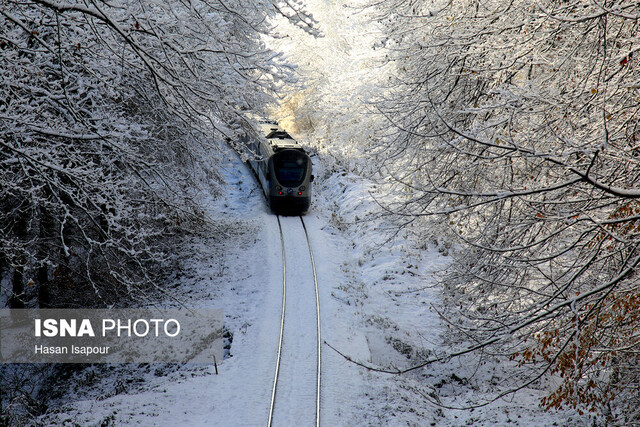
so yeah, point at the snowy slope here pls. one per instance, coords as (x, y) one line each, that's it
(391, 298)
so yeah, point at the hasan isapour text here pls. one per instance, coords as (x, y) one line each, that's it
(72, 349)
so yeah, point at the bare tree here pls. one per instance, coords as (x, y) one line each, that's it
(516, 125)
(108, 113)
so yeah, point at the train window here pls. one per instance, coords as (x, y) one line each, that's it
(290, 172)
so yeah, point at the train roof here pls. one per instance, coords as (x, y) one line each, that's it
(279, 139)
(268, 126)
(264, 121)
(278, 133)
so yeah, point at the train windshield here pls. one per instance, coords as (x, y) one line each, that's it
(290, 170)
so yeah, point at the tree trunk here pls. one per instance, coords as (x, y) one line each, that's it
(17, 291)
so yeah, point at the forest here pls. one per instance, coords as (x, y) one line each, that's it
(510, 128)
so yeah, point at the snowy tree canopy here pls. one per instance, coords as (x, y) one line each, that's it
(108, 111)
(516, 124)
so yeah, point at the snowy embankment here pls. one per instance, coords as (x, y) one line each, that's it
(391, 297)
(377, 299)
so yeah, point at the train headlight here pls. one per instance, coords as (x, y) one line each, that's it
(278, 188)
(302, 188)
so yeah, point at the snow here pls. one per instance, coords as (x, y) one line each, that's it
(296, 392)
(378, 297)
(378, 307)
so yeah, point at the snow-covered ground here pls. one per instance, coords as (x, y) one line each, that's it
(377, 301)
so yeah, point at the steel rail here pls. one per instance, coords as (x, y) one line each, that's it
(319, 343)
(284, 302)
(282, 320)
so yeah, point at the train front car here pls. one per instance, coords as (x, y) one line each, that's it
(290, 176)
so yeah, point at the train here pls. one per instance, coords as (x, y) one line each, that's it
(283, 169)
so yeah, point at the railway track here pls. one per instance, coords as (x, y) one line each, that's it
(295, 397)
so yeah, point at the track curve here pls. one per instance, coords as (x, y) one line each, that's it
(296, 392)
